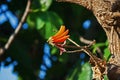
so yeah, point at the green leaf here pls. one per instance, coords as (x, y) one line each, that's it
(63, 58)
(105, 77)
(54, 50)
(40, 5)
(107, 54)
(106, 42)
(39, 23)
(47, 30)
(45, 4)
(83, 72)
(54, 19)
(45, 22)
(29, 21)
(97, 45)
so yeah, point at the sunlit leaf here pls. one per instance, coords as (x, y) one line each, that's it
(85, 72)
(40, 5)
(45, 4)
(39, 23)
(106, 53)
(106, 42)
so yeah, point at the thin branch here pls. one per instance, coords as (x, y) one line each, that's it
(75, 51)
(85, 49)
(75, 47)
(12, 37)
(83, 40)
(90, 43)
(73, 42)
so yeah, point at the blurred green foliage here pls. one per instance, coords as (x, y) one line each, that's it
(44, 20)
(80, 72)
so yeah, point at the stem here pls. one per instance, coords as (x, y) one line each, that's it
(73, 42)
(12, 37)
(75, 51)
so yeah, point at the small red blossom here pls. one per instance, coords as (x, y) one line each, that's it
(59, 39)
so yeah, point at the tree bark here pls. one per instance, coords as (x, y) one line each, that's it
(107, 13)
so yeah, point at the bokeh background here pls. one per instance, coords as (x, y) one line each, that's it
(30, 57)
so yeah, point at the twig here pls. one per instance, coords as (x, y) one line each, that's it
(84, 49)
(90, 43)
(75, 47)
(83, 40)
(75, 51)
(12, 37)
(73, 42)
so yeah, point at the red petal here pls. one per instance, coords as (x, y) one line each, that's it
(63, 34)
(61, 30)
(62, 39)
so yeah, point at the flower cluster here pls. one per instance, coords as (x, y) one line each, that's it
(59, 39)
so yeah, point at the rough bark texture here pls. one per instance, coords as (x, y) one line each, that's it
(107, 13)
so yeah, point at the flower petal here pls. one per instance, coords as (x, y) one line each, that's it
(62, 29)
(60, 40)
(50, 41)
(62, 35)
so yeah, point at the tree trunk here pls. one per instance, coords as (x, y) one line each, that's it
(107, 13)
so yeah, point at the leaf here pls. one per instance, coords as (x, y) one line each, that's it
(45, 22)
(83, 72)
(106, 42)
(40, 5)
(107, 54)
(55, 19)
(105, 77)
(63, 58)
(53, 50)
(97, 45)
(39, 23)
(47, 30)
(45, 4)
(49, 23)
(31, 20)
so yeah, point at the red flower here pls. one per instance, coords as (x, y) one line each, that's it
(59, 38)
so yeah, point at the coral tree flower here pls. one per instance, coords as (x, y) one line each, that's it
(59, 38)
